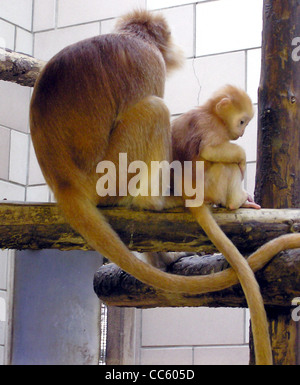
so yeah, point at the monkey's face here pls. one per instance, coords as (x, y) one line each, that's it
(238, 124)
(235, 115)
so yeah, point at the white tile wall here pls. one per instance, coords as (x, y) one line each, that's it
(250, 178)
(4, 152)
(47, 44)
(247, 325)
(181, 22)
(223, 355)
(35, 173)
(216, 33)
(7, 34)
(215, 71)
(253, 73)
(14, 106)
(107, 26)
(24, 41)
(6, 263)
(3, 314)
(17, 12)
(167, 356)
(200, 77)
(3, 269)
(202, 326)
(72, 12)
(2, 355)
(18, 157)
(11, 192)
(44, 15)
(2, 325)
(249, 140)
(182, 89)
(156, 4)
(2, 308)
(37, 194)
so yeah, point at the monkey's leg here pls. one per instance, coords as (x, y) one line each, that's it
(143, 133)
(237, 196)
(160, 260)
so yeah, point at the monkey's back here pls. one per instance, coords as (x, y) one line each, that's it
(80, 94)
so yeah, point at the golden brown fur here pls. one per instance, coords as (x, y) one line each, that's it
(96, 99)
(204, 134)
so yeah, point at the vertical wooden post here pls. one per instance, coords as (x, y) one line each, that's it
(121, 337)
(278, 157)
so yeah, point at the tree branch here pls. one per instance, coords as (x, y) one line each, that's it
(19, 68)
(42, 226)
(279, 282)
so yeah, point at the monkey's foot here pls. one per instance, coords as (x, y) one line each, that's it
(251, 205)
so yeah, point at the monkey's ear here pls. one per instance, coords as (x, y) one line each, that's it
(223, 105)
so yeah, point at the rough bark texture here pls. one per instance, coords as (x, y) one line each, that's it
(279, 280)
(36, 226)
(42, 226)
(278, 161)
(285, 344)
(19, 68)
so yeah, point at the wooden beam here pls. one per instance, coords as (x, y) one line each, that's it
(42, 226)
(19, 68)
(279, 282)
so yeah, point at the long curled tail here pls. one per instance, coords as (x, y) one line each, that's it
(262, 345)
(87, 219)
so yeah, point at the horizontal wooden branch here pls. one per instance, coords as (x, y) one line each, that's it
(19, 68)
(42, 226)
(279, 282)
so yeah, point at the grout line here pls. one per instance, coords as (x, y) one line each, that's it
(32, 15)
(56, 15)
(15, 25)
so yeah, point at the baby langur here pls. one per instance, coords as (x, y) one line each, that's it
(204, 134)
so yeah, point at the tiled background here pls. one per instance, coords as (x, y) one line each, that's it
(221, 46)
